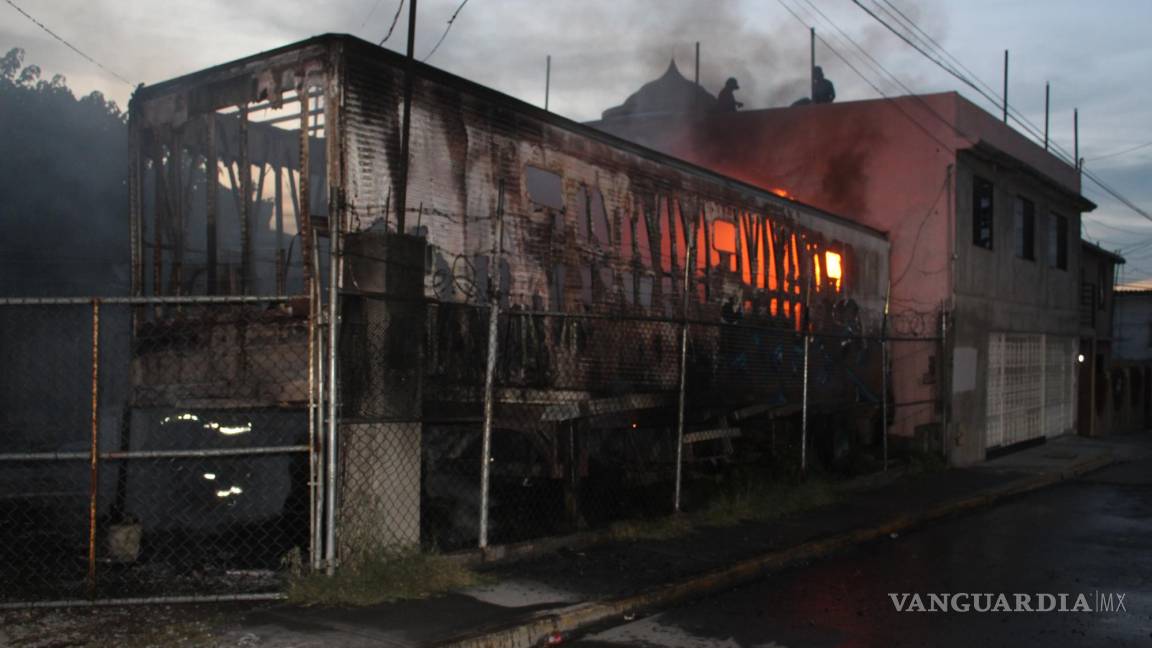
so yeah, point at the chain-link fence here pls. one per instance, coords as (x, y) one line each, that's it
(178, 447)
(153, 447)
(586, 419)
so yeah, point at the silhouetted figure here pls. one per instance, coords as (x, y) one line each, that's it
(726, 100)
(730, 312)
(822, 89)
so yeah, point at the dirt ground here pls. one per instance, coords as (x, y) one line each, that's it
(124, 626)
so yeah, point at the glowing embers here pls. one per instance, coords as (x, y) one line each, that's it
(833, 268)
(229, 430)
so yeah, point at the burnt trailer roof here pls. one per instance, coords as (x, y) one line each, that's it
(218, 76)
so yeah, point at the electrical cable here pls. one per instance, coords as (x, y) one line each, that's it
(395, 18)
(66, 43)
(446, 30)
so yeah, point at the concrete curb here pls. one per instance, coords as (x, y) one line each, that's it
(530, 632)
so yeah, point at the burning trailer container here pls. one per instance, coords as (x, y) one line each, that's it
(476, 278)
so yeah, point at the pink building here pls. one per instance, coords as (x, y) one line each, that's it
(983, 223)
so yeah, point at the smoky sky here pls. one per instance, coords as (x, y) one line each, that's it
(1096, 58)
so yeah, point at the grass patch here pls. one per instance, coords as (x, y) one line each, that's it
(384, 577)
(662, 528)
(766, 501)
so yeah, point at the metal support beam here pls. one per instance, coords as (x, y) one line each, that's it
(94, 448)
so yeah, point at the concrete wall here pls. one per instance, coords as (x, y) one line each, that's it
(905, 166)
(997, 291)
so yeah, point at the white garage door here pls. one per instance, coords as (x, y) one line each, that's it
(1031, 387)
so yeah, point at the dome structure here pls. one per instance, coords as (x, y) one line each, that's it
(669, 94)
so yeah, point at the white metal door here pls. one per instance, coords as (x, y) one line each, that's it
(1029, 387)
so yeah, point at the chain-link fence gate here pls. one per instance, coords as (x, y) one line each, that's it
(155, 447)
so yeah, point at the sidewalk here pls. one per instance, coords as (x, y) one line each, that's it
(571, 589)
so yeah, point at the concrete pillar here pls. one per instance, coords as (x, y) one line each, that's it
(382, 352)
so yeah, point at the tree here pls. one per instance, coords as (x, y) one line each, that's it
(63, 187)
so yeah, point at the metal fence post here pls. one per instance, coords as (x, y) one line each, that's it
(807, 328)
(490, 368)
(94, 449)
(688, 260)
(317, 415)
(333, 329)
(884, 385)
(804, 410)
(945, 389)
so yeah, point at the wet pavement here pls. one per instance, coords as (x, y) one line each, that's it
(1082, 536)
(1091, 535)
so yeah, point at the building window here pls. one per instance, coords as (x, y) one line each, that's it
(544, 187)
(1025, 223)
(1057, 241)
(981, 212)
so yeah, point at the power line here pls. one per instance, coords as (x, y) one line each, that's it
(395, 17)
(1117, 153)
(865, 78)
(375, 5)
(990, 95)
(66, 43)
(878, 66)
(446, 30)
(1023, 122)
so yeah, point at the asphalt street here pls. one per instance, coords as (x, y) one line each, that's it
(1090, 536)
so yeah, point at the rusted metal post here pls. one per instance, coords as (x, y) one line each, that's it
(490, 366)
(334, 268)
(211, 173)
(94, 449)
(309, 253)
(135, 204)
(680, 405)
(245, 204)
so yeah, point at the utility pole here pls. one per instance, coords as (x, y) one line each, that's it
(812, 63)
(1076, 137)
(1047, 106)
(1005, 86)
(547, 79)
(697, 79)
(409, 64)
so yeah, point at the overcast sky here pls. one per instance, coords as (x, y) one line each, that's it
(1097, 55)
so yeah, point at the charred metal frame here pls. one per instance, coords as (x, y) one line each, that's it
(236, 85)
